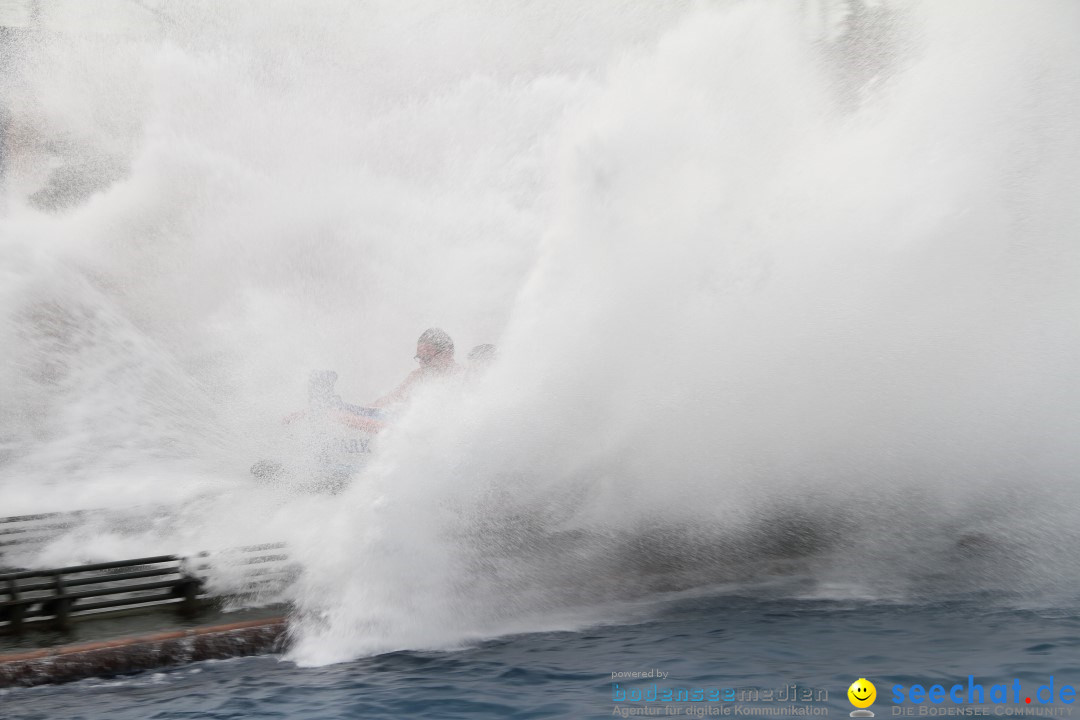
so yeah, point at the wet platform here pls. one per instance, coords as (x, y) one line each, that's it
(122, 645)
(120, 616)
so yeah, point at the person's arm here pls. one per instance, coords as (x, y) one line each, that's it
(401, 393)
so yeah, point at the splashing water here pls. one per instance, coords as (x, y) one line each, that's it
(783, 294)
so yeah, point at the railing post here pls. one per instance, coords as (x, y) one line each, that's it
(16, 611)
(60, 606)
(187, 588)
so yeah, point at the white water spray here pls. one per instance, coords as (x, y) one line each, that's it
(779, 292)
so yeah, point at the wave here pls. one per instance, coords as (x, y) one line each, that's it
(782, 293)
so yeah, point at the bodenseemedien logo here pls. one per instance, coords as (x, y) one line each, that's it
(862, 694)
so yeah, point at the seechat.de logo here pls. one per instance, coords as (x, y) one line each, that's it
(974, 693)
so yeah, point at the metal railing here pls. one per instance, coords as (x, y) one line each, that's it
(58, 594)
(25, 533)
(238, 576)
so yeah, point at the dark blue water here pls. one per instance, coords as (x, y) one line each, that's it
(717, 642)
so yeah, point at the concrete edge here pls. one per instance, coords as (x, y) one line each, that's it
(145, 652)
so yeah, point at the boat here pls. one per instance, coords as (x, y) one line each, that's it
(325, 445)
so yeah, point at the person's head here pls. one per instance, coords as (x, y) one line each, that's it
(434, 348)
(481, 356)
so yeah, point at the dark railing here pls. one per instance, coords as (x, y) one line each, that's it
(255, 574)
(26, 533)
(58, 594)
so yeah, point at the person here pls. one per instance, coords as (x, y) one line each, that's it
(435, 353)
(321, 395)
(479, 360)
(481, 356)
(324, 401)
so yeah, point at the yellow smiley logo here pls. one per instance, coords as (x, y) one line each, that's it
(862, 693)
